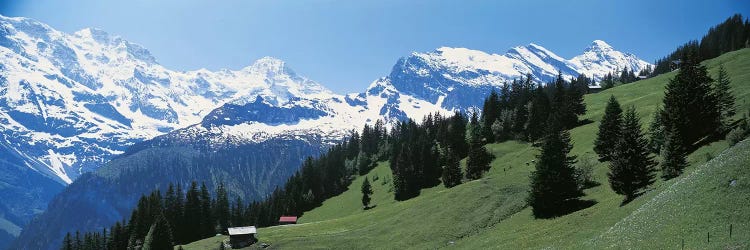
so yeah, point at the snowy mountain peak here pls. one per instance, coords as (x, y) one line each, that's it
(95, 34)
(269, 65)
(599, 45)
(601, 58)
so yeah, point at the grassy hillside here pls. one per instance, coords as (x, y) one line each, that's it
(491, 212)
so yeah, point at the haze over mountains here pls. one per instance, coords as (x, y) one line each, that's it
(69, 103)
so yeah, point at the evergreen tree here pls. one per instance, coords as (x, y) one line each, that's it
(364, 163)
(608, 81)
(193, 215)
(474, 130)
(723, 91)
(562, 107)
(539, 112)
(656, 132)
(159, 235)
(452, 170)
(172, 208)
(67, 242)
(222, 207)
(673, 155)
(609, 130)
(179, 215)
(456, 134)
(578, 87)
(553, 183)
(632, 167)
(490, 113)
(689, 107)
(478, 160)
(238, 213)
(208, 225)
(78, 242)
(366, 193)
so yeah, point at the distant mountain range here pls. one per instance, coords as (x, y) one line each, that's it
(69, 103)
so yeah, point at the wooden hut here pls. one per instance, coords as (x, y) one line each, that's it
(285, 220)
(240, 237)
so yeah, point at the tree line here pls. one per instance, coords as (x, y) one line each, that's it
(161, 220)
(696, 110)
(733, 34)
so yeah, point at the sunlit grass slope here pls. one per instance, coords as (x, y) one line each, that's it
(491, 212)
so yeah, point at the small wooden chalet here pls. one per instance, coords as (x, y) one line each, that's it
(285, 220)
(240, 237)
(594, 89)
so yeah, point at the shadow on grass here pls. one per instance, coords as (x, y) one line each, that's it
(584, 122)
(566, 208)
(590, 184)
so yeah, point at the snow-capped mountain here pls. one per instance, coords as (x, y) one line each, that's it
(71, 102)
(74, 100)
(446, 76)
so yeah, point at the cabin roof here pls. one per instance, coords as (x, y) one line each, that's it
(288, 219)
(241, 230)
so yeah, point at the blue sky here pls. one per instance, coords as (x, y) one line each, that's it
(345, 45)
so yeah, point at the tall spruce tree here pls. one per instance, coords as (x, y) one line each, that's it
(539, 112)
(656, 132)
(452, 170)
(456, 138)
(478, 160)
(366, 193)
(562, 106)
(67, 242)
(490, 113)
(673, 155)
(690, 108)
(159, 235)
(193, 215)
(221, 210)
(208, 223)
(609, 130)
(632, 168)
(553, 183)
(578, 87)
(723, 91)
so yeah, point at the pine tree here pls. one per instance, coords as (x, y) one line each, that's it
(490, 113)
(673, 155)
(78, 242)
(172, 209)
(238, 213)
(452, 170)
(689, 107)
(562, 106)
(478, 160)
(222, 207)
(474, 129)
(723, 91)
(159, 235)
(656, 132)
(179, 215)
(456, 134)
(67, 242)
(193, 215)
(366, 193)
(578, 87)
(632, 167)
(609, 130)
(208, 225)
(553, 183)
(539, 112)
